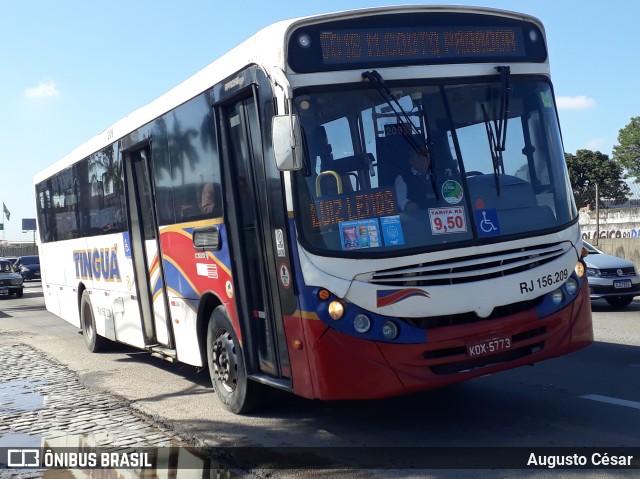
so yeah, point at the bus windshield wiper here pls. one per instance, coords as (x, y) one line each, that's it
(403, 118)
(497, 133)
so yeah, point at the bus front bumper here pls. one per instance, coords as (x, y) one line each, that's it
(345, 367)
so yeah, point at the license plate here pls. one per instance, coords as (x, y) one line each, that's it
(497, 343)
(619, 284)
(4, 290)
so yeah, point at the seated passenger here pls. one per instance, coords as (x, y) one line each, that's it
(207, 198)
(413, 186)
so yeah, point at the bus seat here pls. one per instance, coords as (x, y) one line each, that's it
(393, 157)
(318, 148)
(321, 160)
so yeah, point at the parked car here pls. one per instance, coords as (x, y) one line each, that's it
(28, 267)
(10, 281)
(611, 278)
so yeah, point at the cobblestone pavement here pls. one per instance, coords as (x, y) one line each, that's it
(68, 408)
(43, 404)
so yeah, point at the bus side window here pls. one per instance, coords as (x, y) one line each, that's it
(187, 172)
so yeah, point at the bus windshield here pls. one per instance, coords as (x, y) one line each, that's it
(429, 165)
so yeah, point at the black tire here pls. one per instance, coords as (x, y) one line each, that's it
(19, 293)
(225, 359)
(94, 342)
(619, 301)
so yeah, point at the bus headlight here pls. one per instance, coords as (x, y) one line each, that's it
(557, 296)
(572, 286)
(390, 330)
(580, 269)
(336, 310)
(362, 323)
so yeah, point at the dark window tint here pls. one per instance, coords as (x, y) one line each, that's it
(88, 198)
(191, 176)
(84, 199)
(105, 193)
(30, 260)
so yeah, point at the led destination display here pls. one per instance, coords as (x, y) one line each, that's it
(354, 206)
(387, 44)
(414, 39)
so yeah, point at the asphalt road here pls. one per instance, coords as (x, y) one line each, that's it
(590, 398)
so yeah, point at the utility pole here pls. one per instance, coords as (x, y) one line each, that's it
(597, 215)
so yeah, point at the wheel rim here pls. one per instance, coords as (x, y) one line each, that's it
(225, 361)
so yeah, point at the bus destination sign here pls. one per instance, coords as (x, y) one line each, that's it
(420, 38)
(423, 44)
(353, 206)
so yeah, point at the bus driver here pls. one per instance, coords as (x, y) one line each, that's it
(413, 186)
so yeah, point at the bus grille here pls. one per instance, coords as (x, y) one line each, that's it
(469, 269)
(471, 317)
(455, 360)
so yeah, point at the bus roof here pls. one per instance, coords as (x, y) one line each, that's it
(266, 48)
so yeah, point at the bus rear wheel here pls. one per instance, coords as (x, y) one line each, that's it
(227, 369)
(94, 342)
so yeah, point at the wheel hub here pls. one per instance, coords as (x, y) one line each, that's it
(224, 361)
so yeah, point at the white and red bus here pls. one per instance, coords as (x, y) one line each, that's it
(266, 217)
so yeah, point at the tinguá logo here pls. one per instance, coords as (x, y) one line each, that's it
(98, 263)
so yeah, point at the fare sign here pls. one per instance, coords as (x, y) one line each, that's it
(447, 220)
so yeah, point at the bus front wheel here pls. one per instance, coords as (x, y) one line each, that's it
(227, 368)
(94, 342)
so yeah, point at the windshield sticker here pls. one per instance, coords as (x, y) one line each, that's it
(452, 192)
(547, 101)
(447, 220)
(487, 221)
(285, 276)
(127, 244)
(392, 230)
(360, 234)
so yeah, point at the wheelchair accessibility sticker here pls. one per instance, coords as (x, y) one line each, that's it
(487, 222)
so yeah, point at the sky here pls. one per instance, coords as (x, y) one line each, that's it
(69, 69)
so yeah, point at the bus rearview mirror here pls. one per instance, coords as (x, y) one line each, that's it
(287, 142)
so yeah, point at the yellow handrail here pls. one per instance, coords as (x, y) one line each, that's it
(332, 173)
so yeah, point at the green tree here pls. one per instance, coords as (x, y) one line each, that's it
(627, 153)
(588, 168)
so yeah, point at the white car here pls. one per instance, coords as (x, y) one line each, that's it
(611, 278)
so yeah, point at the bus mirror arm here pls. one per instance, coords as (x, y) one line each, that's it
(287, 142)
(285, 129)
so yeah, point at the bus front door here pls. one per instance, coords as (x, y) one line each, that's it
(148, 271)
(247, 212)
